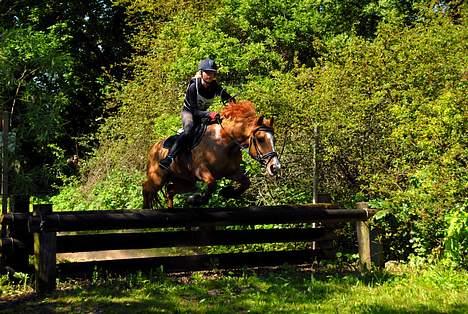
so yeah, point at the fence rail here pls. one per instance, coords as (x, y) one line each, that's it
(166, 239)
(81, 221)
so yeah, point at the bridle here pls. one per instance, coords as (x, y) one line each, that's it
(263, 159)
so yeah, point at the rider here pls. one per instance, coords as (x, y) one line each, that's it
(198, 97)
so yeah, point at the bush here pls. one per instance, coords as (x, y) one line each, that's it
(392, 113)
(456, 239)
(119, 190)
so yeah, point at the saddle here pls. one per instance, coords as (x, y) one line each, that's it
(192, 141)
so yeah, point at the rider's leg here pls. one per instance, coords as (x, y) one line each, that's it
(187, 123)
(176, 147)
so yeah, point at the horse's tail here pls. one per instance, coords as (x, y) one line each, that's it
(148, 195)
(151, 196)
(154, 178)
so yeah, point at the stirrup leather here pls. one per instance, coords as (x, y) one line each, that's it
(166, 162)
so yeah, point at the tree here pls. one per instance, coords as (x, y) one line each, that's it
(34, 76)
(392, 115)
(92, 37)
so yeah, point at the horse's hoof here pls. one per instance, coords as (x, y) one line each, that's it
(229, 192)
(195, 200)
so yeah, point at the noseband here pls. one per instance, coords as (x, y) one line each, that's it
(263, 159)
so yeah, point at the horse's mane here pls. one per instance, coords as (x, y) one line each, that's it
(241, 110)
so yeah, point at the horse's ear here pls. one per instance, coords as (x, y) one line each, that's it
(271, 121)
(260, 120)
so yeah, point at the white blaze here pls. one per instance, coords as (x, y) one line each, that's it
(274, 165)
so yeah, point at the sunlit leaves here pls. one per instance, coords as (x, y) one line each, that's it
(34, 76)
(389, 98)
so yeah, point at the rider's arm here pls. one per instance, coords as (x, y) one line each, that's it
(221, 92)
(201, 114)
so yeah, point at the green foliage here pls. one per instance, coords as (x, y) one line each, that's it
(296, 29)
(391, 117)
(120, 190)
(16, 284)
(52, 61)
(456, 240)
(69, 198)
(34, 75)
(384, 80)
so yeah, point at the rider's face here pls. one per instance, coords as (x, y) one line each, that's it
(208, 76)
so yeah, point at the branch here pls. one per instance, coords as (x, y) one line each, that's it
(20, 82)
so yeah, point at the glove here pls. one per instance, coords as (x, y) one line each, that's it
(214, 116)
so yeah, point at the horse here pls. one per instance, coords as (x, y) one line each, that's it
(217, 155)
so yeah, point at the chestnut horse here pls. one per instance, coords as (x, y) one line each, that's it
(218, 155)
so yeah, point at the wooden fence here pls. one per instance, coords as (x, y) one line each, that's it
(45, 233)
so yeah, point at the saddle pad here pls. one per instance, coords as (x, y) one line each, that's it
(191, 142)
(168, 142)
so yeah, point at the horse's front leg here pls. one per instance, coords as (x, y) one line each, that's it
(232, 192)
(170, 192)
(203, 198)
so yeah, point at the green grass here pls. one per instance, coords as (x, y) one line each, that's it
(287, 290)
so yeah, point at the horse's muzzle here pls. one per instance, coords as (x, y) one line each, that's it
(273, 167)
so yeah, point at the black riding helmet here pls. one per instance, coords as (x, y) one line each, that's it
(208, 65)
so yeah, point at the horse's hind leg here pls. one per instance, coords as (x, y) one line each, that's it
(178, 186)
(150, 195)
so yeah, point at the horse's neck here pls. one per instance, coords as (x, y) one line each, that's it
(235, 132)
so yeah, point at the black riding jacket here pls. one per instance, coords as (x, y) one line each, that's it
(198, 98)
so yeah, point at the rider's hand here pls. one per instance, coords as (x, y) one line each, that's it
(214, 116)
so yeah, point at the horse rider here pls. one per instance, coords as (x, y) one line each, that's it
(199, 95)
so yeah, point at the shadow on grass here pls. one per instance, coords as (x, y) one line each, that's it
(260, 290)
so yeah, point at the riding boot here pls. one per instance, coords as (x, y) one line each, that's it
(166, 162)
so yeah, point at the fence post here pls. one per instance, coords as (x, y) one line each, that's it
(45, 250)
(370, 248)
(5, 166)
(20, 257)
(315, 170)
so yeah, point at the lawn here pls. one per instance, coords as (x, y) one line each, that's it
(401, 289)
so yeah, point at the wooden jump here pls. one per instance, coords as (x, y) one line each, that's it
(144, 229)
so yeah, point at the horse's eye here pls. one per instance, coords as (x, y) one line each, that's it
(261, 140)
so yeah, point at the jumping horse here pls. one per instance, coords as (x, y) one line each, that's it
(217, 155)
